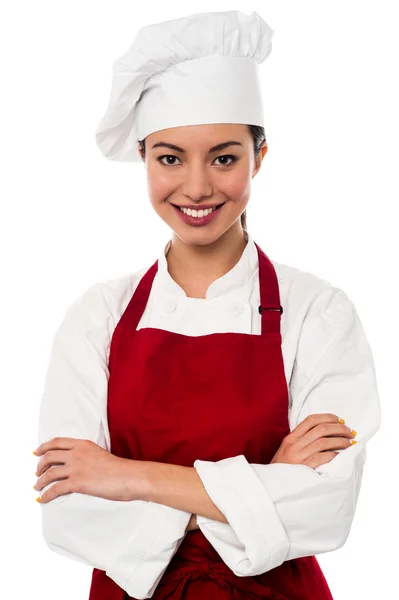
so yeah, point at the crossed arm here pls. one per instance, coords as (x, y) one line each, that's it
(175, 486)
(274, 512)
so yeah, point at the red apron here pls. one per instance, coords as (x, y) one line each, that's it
(176, 398)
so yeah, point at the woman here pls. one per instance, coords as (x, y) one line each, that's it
(195, 430)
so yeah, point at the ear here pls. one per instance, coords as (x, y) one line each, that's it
(261, 155)
(140, 151)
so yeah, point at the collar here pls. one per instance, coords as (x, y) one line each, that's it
(237, 278)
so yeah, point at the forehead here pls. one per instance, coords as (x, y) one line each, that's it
(195, 136)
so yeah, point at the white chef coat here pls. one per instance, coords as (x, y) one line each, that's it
(275, 512)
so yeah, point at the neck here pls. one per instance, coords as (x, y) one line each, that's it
(195, 267)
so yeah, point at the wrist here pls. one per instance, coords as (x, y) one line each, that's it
(139, 481)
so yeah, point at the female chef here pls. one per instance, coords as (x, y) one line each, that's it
(195, 429)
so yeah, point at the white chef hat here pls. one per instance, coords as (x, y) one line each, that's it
(202, 68)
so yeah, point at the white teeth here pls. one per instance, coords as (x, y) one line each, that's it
(196, 213)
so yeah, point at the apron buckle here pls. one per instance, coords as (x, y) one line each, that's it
(270, 308)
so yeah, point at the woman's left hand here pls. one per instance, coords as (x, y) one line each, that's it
(83, 466)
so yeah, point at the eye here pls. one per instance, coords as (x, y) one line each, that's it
(234, 158)
(171, 156)
(166, 156)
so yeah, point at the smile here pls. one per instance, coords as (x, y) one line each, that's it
(197, 217)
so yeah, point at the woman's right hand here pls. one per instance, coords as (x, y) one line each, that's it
(312, 442)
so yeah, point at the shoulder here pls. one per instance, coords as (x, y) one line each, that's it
(100, 306)
(307, 296)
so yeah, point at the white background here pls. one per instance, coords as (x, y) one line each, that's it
(324, 201)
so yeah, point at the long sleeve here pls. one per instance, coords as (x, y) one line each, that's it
(278, 511)
(132, 541)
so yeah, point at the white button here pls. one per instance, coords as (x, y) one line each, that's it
(169, 305)
(236, 309)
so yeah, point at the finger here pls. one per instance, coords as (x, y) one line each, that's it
(326, 444)
(50, 476)
(57, 443)
(324, 430)
(312, 421)
(58, 489)
(320, 458)
(52, 457)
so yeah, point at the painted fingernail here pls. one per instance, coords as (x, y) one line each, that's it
(341, 420)
(353, 432)
(353, 442)
(34, 452)
(38, 499)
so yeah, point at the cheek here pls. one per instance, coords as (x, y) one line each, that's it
(237, 186)
(159, 183)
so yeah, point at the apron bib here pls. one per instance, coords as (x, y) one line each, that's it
(175, 398)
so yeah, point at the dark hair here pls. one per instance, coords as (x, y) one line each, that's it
(258, 135)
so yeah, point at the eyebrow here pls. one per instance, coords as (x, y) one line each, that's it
(213, 149)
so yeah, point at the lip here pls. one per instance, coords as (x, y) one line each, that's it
(198, 221)
(197, 207)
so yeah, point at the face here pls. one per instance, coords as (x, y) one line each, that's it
(184, 169)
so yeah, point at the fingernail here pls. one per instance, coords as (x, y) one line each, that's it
(353, 442)
(38, 499)
(34, 452)
(341, 420)
(353, 432)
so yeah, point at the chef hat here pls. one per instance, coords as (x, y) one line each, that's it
(197, 69)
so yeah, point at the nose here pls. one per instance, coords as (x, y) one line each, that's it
(197, 183)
